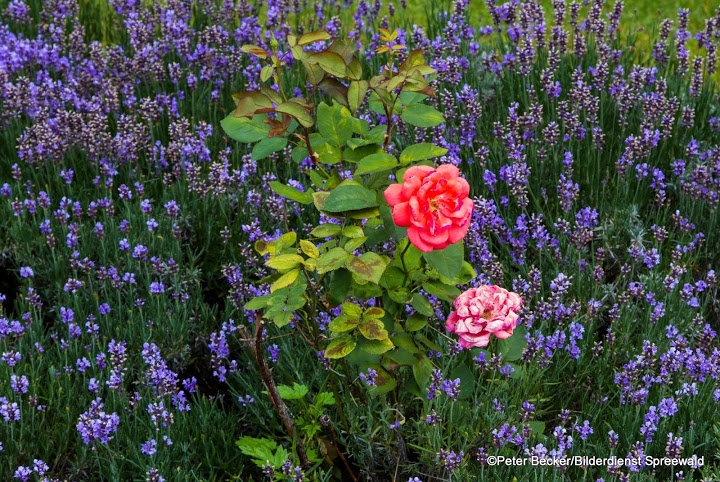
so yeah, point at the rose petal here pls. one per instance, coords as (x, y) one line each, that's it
(393, 194)
(414, 237)
(401, 214)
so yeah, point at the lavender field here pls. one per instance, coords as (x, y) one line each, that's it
(359, 241)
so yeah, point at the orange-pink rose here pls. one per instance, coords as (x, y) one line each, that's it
(433, 204)
(481, 312)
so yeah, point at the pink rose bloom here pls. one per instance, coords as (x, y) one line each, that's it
(433, 204)
(480, 312)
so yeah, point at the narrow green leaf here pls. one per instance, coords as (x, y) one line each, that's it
(422, 115)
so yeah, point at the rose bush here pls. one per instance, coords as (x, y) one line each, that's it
(481, 312)
(433, 204)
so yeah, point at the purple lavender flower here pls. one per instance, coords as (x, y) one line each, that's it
(23, 473)
(149, 448)
(157, 288)
(274, 351)
(96, 425)
(26, 272)
(369, 379)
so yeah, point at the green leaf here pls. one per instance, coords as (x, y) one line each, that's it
(467, 273)
(297, 111)
(393, 277)
(467, 380)
(349, 197)
(353, 231)
(340, 347)
(257, 448)
(335, 123)
(299, 153)
(420, 152)
(441, 290)
(401, 357)
(345, 47)
(537, 427)
(285, 280)
(332, 260)
(328, 153)
(422, 115)
(312, 37)
(384, 382)
(245, 130)
(289, 192)
(376, 163)
(340, 283)
(284, 261)
(257, 303)
(369, 266)
(313, 73)
(325, 230)
(309, 249)
(449, 261)
(343, 323)
(373, 313)
(356, 94)
(354, 70)
(324, 398)
(335, 89)
(330, 62)
(422, 305)
(511, 348)
(416, 322)
(422, 370)
(400, 295)
(376, 347)
(296, 392)
(354, 244)
(373, 330)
